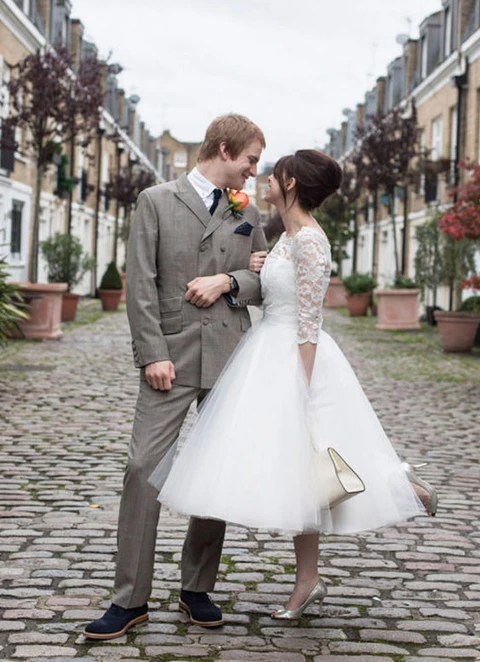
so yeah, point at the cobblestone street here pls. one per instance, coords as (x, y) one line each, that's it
(408, 594)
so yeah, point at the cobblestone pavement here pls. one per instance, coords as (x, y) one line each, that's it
(409, 593)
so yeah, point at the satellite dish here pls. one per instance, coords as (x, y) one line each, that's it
(134, 98)
(402, 39)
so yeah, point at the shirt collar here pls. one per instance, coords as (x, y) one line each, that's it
(200, 183)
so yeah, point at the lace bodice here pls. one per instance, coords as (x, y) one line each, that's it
(294, 280)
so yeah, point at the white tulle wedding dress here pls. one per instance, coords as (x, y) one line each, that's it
(249, 457)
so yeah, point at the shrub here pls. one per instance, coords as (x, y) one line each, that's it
(111, 279)
(65, 259)
(471, 305)
(359, 283)
(404, 283)
(11, 303)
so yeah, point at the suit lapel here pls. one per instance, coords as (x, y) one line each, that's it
(218, 217)
(187, 194)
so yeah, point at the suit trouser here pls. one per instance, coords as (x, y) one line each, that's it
(158, 418)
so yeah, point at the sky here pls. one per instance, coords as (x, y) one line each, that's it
(292, 66)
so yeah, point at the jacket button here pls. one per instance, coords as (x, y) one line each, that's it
(224, 323)
(205, 322)
(223, 249)
(203, 247)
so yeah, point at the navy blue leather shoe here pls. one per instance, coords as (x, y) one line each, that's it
(115, 622)
(201, 609)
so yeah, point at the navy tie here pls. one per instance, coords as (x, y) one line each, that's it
(217, 194)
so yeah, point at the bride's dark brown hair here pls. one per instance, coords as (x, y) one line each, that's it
(316, 176)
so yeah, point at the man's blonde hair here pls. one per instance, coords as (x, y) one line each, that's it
(236, 131)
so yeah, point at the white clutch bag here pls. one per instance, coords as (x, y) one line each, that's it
(337, 480)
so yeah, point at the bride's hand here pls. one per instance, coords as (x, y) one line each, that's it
(256, 261)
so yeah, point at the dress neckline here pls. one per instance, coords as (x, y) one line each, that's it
(306, 227)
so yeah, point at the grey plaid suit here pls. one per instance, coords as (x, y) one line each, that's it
(172, 241)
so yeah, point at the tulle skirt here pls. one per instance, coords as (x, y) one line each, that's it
(249, 457)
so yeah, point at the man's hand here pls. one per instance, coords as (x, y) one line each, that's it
(257, 260)
(160, 375)
(205, 290)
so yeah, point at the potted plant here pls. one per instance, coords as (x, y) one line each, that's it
(66, 263)
(110, 289)
(397, 307)
(458, 329)
(460, 224)
(12, 306)
(359, 289)
(428, 263)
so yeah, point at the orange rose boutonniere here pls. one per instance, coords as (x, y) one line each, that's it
(237, 201)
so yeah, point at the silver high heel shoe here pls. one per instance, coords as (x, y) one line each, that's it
(318, 592)
(426, 493)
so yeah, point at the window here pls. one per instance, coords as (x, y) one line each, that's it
(436, 138)
(180, 159)
(447, 34)
(16, 227)
(423, 57)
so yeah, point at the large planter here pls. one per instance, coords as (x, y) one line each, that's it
(110, 299)
(397, 309)
(69, 306)
(357, 304)
(336, 296)
(457, 330)
(123, 276)
(45, 309)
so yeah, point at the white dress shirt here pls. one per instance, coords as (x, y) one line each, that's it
(203, 187)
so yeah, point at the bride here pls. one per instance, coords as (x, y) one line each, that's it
(287, 392)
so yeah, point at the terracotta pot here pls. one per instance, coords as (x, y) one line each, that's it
(123, 276)
(336, 296)
(45, 310)
(69, 306)
(457, 330)
(110, 299)
(357, 304)
(397, 309)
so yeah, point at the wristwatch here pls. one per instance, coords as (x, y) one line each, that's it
(233, 284)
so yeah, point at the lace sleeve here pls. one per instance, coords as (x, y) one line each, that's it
(312, 267)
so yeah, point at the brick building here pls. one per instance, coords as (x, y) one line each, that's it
(440, 73)
(26, 26)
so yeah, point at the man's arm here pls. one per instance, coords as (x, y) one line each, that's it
(249, 292)
(149, 344)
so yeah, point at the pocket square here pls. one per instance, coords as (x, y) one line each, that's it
(244, 228)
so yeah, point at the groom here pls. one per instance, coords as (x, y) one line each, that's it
(188, 285)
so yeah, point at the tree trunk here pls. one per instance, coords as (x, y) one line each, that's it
(33, 262)
(70, 192)
(395, 240)
(355, 241)
(405, 230)
(374, 238)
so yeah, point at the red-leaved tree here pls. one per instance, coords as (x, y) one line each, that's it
(462, 219)
(54, 106)
(125, 187)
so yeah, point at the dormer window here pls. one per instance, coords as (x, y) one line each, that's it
(423, 57)
(447, 31)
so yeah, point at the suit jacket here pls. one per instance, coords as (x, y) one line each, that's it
(173, 239)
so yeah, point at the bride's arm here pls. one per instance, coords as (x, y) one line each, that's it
(311, 263)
